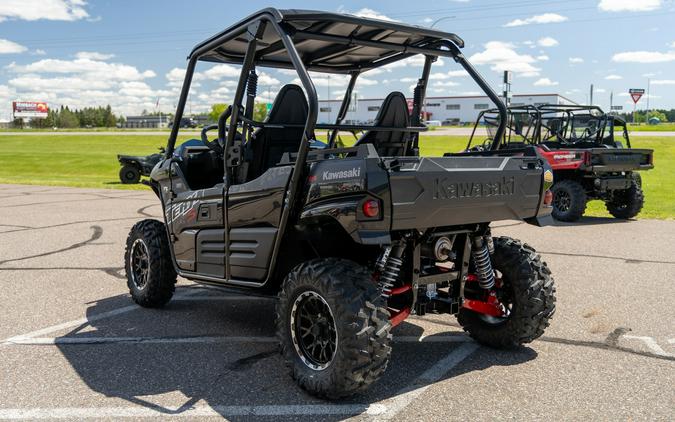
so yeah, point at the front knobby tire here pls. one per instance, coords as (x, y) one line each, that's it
(569, 200)
(627, 203)
(350, 319)
(151, 277)
(528, 284)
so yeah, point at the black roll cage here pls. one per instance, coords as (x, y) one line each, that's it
(538, 115)
(444, 45)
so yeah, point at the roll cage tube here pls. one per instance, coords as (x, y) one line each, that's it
(458, 56)
(346, 100)
(182, 100)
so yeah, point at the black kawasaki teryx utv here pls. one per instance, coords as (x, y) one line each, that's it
(579, 144)
(351, 240)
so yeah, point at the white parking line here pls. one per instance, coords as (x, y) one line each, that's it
(650, 343)
(192, 412)
(42, 341)
(191, 294)
(432, 375)
(383, 410)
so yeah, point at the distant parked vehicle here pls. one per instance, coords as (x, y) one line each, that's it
(579, 143)
(433, 123)
(134, 166)
(186, 122)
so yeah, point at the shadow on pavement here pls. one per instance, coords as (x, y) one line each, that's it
(229, 374)
(590, 221)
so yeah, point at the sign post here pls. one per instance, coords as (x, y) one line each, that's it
(635, 94)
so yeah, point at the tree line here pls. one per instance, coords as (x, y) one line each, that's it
(641, 115)
(64, 117)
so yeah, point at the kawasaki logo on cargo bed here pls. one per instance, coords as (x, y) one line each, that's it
(343, 174)
(445, 189)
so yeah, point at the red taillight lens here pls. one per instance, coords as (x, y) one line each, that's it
(548, 198)
(371, 208)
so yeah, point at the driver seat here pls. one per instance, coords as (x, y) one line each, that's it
(268, 144)
(393, 113)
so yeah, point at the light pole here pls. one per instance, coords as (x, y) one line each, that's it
(649, 80)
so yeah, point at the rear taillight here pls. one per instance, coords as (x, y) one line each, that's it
(371, 208)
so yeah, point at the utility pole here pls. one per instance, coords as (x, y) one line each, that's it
(591, 95)
(611, 102)
(649, 80)
(507, 87)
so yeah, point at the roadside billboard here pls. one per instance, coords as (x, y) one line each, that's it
(30, 109)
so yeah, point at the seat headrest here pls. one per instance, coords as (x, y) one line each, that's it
(290, 106)
(394, 111)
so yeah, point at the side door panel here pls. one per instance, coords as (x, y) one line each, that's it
(196, 219)
(253, 215)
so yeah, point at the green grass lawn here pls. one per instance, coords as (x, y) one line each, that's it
(91, 161)
(81, 161)
(661, 127)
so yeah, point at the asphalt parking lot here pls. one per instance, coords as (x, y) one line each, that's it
(73, 345)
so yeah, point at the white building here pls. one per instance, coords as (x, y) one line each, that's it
(451, 110)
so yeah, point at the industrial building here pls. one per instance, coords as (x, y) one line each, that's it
(448, 110)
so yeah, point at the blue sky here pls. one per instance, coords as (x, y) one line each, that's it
(131, 53)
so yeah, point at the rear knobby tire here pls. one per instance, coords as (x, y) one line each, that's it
(361, 321)
(627, 203)
(151, 280)
(531, 288)
(130, 174)
(569, 200)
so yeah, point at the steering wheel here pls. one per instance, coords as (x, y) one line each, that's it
(212, 145)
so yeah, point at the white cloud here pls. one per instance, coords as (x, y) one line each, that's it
(644, 57)
(548, 42)
(545, 82)
(600, 90)
(220, 71)
(629, 5)
(413, 61)
(448, 75)
(38, 52)
(502, 56)
(266, 80)
(92, 55)
(367, 13)
(10, 47)
(613, 77)
(542, 58)
(663, 82)
(85, 82)
(537, 19)
(576, 60)
(445, 83)
(30, 10)
(95, 69)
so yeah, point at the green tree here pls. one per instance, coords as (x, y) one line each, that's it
(260, 112)
(18, 123)
(659, 115)
(216, 111)
(68, 119)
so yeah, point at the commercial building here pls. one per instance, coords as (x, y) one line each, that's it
(450, 110)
